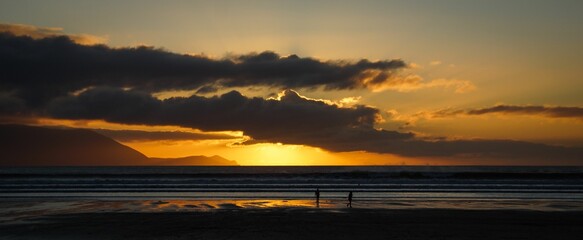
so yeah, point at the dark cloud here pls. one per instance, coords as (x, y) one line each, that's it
(266, 119)
(554, 112)
(11, 105)
(292, 119)
(551, 112)
(136, 135)
(38, 70)
(207, 89)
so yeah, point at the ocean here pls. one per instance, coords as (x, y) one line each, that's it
(418, 202)
(368, 183)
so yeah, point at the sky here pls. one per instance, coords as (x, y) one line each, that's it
(305, 82)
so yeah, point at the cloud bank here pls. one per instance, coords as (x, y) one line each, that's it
(553, 112)
(543, 111)
(38, 70)
(59, 78)
(290, 119)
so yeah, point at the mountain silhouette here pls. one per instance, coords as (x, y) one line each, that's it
(22, 145)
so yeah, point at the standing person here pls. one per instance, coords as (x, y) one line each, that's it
(349, 204)
(317, 197)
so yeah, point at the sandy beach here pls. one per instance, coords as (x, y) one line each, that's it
(114, 220)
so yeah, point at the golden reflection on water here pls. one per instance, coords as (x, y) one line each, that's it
(212, 204)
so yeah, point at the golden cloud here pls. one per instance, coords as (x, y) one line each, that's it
(45, 32)
(378, 81)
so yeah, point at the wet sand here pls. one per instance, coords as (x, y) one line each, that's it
(303, 223)
(224, 220)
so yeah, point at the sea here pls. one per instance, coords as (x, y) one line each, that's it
(368, 183)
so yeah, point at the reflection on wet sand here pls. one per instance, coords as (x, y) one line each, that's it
(235, 204)
(17, 211)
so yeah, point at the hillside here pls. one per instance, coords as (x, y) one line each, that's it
(41, 146)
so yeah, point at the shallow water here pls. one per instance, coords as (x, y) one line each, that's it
(368, 183)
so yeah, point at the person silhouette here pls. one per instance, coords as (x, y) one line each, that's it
(349, 204)
(317, 197)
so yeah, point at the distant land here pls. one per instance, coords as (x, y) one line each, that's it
(22, 145)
